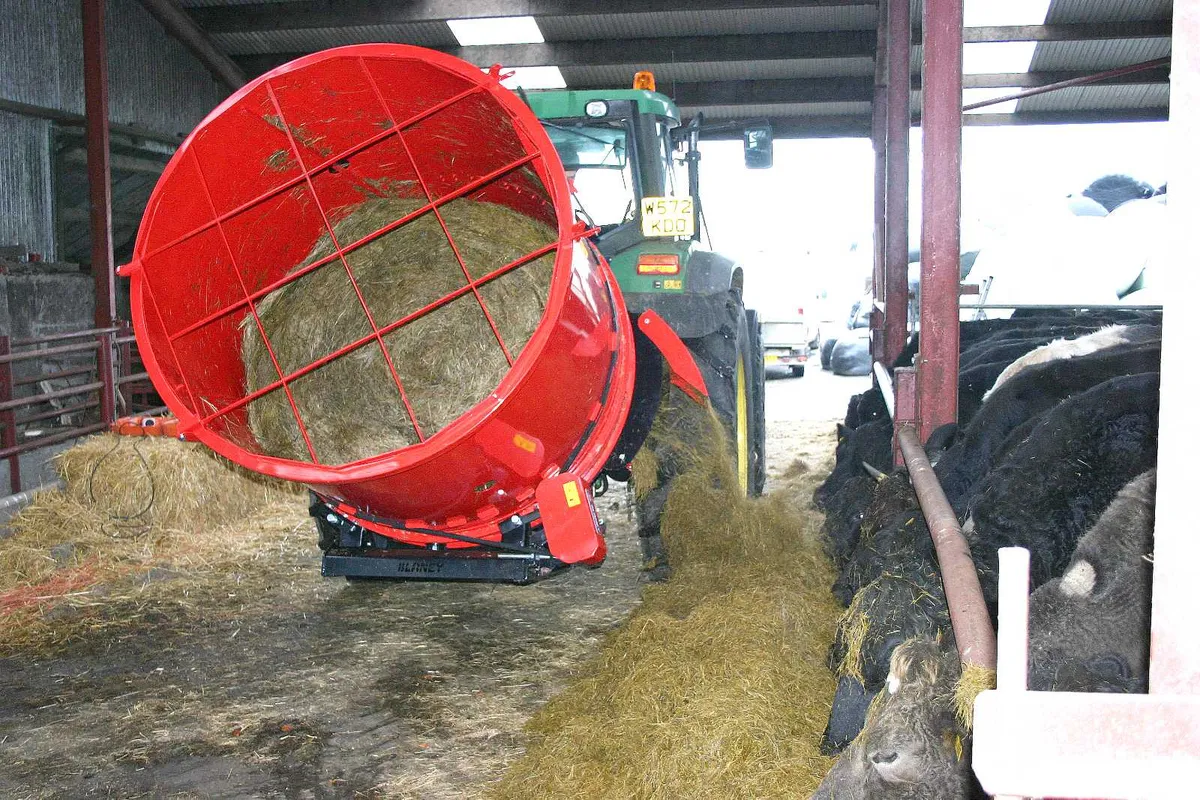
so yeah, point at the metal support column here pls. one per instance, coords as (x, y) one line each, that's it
(899, 83)
(941, 127)
(95, 85)
(879, 109)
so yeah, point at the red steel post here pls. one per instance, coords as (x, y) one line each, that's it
(899, 82)
(904, 379)
(95, 84)
(8, 418)
(879, 113)
(941, 126)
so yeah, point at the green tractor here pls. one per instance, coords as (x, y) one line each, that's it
(619, 149)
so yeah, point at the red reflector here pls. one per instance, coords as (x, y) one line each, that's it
(800, 311)
(658, 264)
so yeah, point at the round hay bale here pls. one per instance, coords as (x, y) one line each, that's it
(447, 360)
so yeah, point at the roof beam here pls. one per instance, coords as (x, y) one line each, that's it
(1081, 117)
(848, 89)
(1065, 33)
(800, 127)
(1028, 80)
(261, 17)
(641, 52)
(799, 90)
(735, 47)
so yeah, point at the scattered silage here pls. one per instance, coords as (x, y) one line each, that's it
(447, 360)
(717, 685)
(132, 511)
(973, 681)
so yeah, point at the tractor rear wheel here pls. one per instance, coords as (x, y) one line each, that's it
(731, 359)
(731, 362)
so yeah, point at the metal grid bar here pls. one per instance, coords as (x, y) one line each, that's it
(322, 166)
(46, 441)
(341, 255)
(384, 331)
(370, 237)
(458, 256)
(8, 436)
(253, 311)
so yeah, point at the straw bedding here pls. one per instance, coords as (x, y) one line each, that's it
(717, 686)
(131, 509)
(447, 360)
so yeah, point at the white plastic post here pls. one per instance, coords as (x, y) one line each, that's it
(1012, 635)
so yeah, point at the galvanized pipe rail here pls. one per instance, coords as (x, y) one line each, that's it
(969, 617)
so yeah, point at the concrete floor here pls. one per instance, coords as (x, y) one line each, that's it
(818, 395)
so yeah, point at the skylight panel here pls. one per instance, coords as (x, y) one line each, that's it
(534, 78)
(988, 57)
(981, 13)
(496, 30)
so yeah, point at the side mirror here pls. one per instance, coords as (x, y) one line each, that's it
(756, 145)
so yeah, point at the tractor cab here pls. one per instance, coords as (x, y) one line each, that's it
(624, 152)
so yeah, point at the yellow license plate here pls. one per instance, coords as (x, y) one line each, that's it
(667, 216)
(770, 359)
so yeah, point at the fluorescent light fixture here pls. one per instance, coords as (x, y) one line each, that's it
(496, 30)
(977, 95)
(980, 13)
(997, 57)
(534, 78)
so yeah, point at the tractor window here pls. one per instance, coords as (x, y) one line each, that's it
(667, 153)
(596, 158)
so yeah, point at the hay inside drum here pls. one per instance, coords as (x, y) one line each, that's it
(362, 272)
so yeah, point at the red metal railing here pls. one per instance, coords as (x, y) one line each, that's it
(39, 398)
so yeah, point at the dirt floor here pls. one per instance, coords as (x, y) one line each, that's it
(304, 687)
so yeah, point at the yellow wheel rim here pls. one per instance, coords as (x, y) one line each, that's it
(742, 432)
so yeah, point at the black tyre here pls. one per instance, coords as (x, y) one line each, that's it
(731, 362)
(759, 403)
(736, 388)
(827, 352)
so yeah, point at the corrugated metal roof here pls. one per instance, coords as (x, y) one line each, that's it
(1081, 98)
(1067, 11)
(1097, 55)
(720, 71)
(706, 23)
(425, 34)
(771, 110)
(219, 3)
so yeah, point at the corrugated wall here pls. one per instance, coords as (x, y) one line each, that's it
(26, 215)
(154, 83)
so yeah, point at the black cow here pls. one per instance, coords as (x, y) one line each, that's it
(1111, 191)
(1055, 484)
(1030, 393)
(870, 443)
(913, 746)
(1089, 631)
